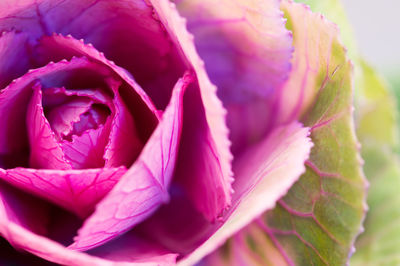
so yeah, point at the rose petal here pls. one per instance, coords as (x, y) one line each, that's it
(124, 144)
(132, 247)
(75, 190)
(45, 151)
(20, 208)
(86, 151)
(264, 174)
(14, 98)
(62, 118)
(246, 49)
(206, 173)
(144, 187)
(13, 47)
(52, 251)
(55, 96)
(57, 47)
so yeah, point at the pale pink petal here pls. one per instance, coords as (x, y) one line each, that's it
(86, 150)
(62, 117)
(58, 47)
(53, 251)
(135, 39)
(124, 145)
(205, 173)
(263, 174)
(14, 99)
(311, 53)
(74, 190)
(45, 151)
(144, 187)
(246, 49)
(55, 96)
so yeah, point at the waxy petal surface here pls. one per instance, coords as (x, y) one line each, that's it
(13, 47)
(62, 118)
(317, 221)
(263, 175)
(18, 227)
(57, 47)
(327, 206)
(144, 187)
(75, 190)
(124, 144)
(14, 98)
(246, 50)
(135, 40)
(45, 150)
(86, 150)
(311, 55)
(209, 169)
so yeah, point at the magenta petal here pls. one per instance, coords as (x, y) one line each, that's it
(86, 150)
(61, 118)
(75, 190)
(132, 247)
(57, 47)
(144, 187)
(45, 152)
(19, 208)
(264, 173)
(13, 47)
(53, 251)
(124, 144)
(97, 95)
(247, 52)
(206, 173)
(15, 63)
(14, 99)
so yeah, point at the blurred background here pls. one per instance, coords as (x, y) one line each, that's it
(376, 26)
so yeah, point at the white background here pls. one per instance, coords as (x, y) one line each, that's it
(376, 25)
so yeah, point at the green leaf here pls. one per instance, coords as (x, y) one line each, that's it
(378, 132)
(317, 222)
(375, 109)
(379, 244)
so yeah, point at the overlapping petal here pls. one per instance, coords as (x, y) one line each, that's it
(45, 150)
(246, 49)
(205, 174)
(14, 99)
(135, 41)
(317, 221)
(145, 186)
(62, 118)
(18, 227)
(313, 53)
(75, 190)
(123, 144)
(266, 172)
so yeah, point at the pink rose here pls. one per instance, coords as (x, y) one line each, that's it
(117, 125)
